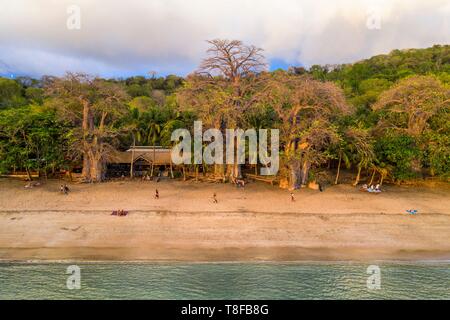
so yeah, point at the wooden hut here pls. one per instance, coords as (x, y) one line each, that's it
(139, 161)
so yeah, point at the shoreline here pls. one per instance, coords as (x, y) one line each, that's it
(249, 262)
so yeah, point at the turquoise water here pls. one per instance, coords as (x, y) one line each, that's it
(225, 281)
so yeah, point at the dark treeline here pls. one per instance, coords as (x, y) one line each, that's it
(382, 118)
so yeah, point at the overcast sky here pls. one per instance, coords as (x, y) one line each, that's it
(130, 37)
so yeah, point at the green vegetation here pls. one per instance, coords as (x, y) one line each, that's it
(386, 117)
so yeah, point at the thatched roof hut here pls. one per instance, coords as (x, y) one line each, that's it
(150, 154)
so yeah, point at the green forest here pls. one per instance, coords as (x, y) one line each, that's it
(381, 119)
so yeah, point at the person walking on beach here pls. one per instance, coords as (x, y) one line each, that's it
(292, 197)
(156, 194)
(64, 189)
(215, 198)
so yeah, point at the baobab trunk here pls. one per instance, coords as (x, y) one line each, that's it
(236, 171)
(87, 126)
(294, 177)
(305, 172)
(219, 170)
(97, 169)
(86, 173)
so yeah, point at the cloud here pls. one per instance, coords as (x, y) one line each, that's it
(120, 38)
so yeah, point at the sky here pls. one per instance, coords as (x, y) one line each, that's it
(120, 38)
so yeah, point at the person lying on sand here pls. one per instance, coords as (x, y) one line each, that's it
(371, 189)
(32, 185)
(119, 213)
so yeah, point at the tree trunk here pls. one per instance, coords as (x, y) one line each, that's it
(86, 173)
(219, 170)
(358, 176)
(96, 169)
(338, 169)
(87, 127)
(373, 177)
(381, 179)
(305, 172)
(237, 171)
(229, 175)
(294, 177)
(30, 178)
(132, 159)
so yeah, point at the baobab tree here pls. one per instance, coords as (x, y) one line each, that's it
(230, 71)
(93, 105)
(409, 107)
(410, 103)
(355, 147)
(232, 60)
(306, 109)
(224, 87)
(360, 145)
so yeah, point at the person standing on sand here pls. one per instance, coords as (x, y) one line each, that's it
(156, 194)
(292, 197)
(64, 189)
(215, 198)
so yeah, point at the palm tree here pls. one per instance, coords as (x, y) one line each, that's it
(343, 155)
(166, 133)
(361, 146)
(154, 130)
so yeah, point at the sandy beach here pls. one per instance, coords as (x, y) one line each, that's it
(258, 223)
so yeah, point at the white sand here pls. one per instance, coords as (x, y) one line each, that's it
(257, 223)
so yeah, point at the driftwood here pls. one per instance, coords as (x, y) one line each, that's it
(269, 179)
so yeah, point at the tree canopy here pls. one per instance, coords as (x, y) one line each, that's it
(386, 117)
